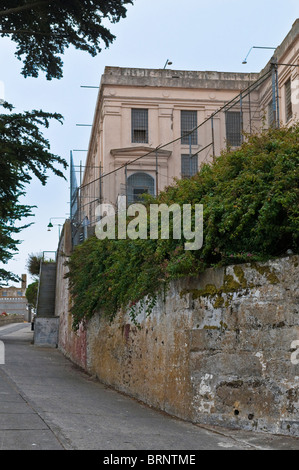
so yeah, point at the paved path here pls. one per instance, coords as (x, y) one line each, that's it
(47, 403)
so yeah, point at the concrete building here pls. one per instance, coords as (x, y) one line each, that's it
(141, 136)
(13, 300)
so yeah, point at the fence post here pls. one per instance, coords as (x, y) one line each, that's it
(213, 141)
(249, 104)
(157, 188)
(273, 65)
(277, 96)
(241, 116)
(72, 197)
(80, 195)
(225, 119)
(71, 184)
(190, 155)
(100, 182)
(126, 184)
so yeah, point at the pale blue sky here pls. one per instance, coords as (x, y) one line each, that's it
(194, 35)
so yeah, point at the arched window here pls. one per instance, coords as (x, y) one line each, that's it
(138, 184)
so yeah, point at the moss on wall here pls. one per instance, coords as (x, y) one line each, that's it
(265, 270)
(221, 296)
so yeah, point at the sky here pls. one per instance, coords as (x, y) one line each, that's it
(193, 35)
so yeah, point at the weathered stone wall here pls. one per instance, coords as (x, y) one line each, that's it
(241, 348)
(148, 361)
(216, 349)
(72, 344)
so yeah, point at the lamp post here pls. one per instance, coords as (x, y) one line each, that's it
(167, 63)
(50, 225)
(255, 47)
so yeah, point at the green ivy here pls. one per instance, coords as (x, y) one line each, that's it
(251, 212)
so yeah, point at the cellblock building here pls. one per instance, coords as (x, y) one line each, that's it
(152, 126)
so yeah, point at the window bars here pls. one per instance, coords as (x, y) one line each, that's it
(139, 125)
(233, 128)
(188, 122)
(138, 184)
(189, 165)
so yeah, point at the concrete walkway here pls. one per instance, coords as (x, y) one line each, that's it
(47, 403)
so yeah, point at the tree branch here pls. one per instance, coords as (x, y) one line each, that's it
(26, 31)
(28, 6)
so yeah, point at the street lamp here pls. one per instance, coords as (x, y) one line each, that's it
(167, 63)
(255, 47)
(50, 225)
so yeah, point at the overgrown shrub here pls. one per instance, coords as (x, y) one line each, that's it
(250, 199)
(31, 293)
(33, 263)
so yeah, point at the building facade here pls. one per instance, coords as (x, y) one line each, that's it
(154, 125)
(13, 299)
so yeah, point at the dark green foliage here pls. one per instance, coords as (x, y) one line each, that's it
(250, 200)
(24, 153)
(31, 293)
(43, 29)
(111, 274)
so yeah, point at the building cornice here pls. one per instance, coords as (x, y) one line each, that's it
(139, 151)
(166, 78)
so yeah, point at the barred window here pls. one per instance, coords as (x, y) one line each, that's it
(189, 168)
(288, 100)
(188, 122)
(138, 184)
(139, 125)
(233, 128)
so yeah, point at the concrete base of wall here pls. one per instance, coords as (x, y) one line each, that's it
(46, 331)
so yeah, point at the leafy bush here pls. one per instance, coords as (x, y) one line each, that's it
(111, 274)
(250, 199)
(31, 293)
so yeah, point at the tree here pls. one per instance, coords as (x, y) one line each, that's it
(43, 29)
(31, 293)
(24, 153)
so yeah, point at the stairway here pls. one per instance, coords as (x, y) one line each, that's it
(46, 324)
(46, 290)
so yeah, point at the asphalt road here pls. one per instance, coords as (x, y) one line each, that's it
(47, 403)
